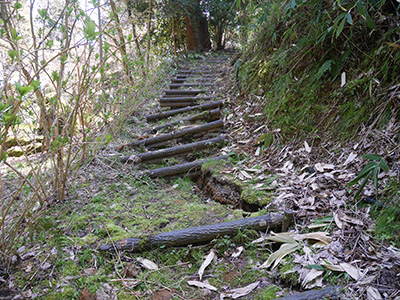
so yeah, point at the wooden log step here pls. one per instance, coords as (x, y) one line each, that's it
(187, 168)
(177, 104)
(185, 99)
(211, 115)
(197, 75)
(166, 114)
(173, 86)
(177, 134)
(163, 153)
(198, 71)
(199, 79)
(202, 234)
(184, 92)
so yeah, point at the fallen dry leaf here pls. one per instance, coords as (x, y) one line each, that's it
(321, 167)
(283, 237)
(238, 251)
(240, 292)
(335, 268)
(373, 294)
(277, 256)
(148, 264)
(311, 276)
(307, 147)
(351, 270)
(202, 285)
(318, 236)
(348, 219)
(245, 174)
(205, 264)
(338, 222)
(349, 159)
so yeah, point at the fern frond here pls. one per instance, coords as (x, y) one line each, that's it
(327, 66)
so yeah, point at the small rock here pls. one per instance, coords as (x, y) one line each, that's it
(163, 294)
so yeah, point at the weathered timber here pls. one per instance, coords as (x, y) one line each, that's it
(173, 86)
(328, 292)
(166, 114)
(199, 79)
(163, 153)
(198, 235)
(183, 92)
(185, 99)
(188, 168)
(179, 133)
(177, 104)
(199, 72)
(178, 80)
(211, 115)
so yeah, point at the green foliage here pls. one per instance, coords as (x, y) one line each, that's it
(90, 30)
(311, 59)
(327, 66)
(371, 170)
(387, 215)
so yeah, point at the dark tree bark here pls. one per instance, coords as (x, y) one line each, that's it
(197, 34)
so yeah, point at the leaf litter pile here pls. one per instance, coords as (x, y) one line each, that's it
(328, 186)
(332, 243)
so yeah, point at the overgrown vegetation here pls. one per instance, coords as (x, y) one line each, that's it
(324, 70)
(324, 66)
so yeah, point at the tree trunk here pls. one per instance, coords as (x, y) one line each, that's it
(190, 34)
(121, 45)
(149, 31)
(218, 37)
(197, 34)
(202, 234)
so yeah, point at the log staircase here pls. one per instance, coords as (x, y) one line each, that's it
(193, 94)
